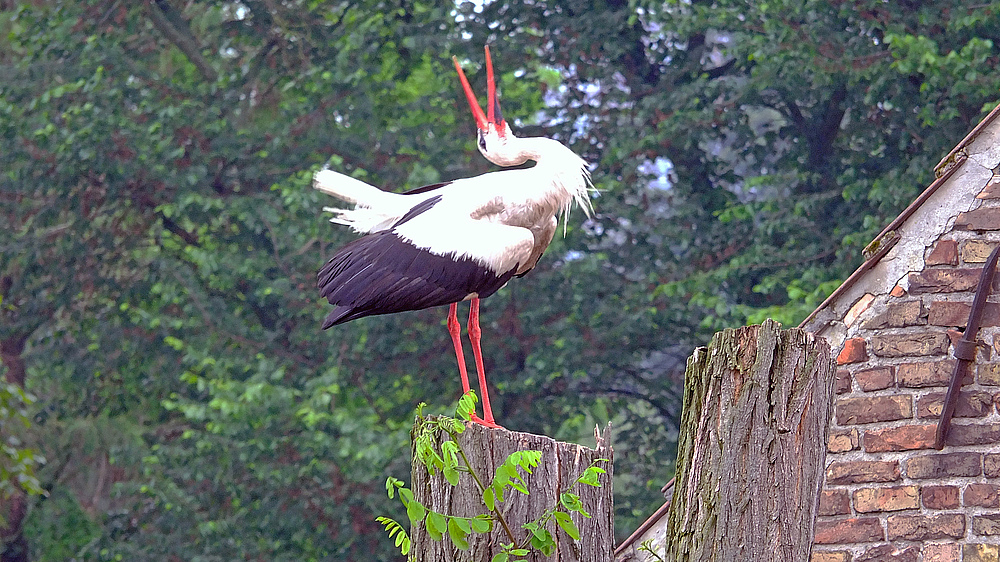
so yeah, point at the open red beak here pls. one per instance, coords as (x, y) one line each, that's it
(492, 104)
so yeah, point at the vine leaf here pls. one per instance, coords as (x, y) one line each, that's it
(566, 523)
(457, 534)
(489, 498)
(590, 475)
(436, 525)
(415, 511)
(572, 503)
(395, 529)
(466, 408)
(481, 523)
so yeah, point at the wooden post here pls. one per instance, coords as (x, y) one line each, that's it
(752, 446)
(560, 466)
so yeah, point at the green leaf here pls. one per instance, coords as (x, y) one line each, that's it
(436, 525)
(391, 484)
(451, 475)
(467, 405)
(489, 498)
(415, 511)
(564, 521)
(463, 524)
(394, 529)
(590, 476)
(457, 535)
(572, 503)
(543, 541)
(481, 523)
(405, 496)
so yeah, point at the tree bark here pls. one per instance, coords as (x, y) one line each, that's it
(752, 446)
(560, 466)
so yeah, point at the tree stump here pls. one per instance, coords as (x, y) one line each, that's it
(561, 464)
(752, 446)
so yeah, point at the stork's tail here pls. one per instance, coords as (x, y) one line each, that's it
(347, 188)
(373, 210)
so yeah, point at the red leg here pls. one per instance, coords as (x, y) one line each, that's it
(475, 335)
(455, 329)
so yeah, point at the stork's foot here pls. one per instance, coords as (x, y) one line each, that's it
(490, 424)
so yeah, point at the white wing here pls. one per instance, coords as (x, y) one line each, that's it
(499, 247)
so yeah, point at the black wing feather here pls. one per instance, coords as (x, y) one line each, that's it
(381, 273)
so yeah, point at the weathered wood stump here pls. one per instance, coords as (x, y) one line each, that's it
(560, 466)
(752, 446)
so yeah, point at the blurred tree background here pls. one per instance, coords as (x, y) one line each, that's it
(159, 326)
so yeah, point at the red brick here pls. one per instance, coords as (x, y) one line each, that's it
(991, 465)
(854, 530)
(986, 525)
(945, 252)
(989, 373)
(944, 280)
(983, 218)
(992, 189)
(890, 553)
(939, 497)
(970, 404)
(897, 315)
(870, 409)
(834, 502)
(979, 553)
(859, 308)
(981, 495)
(982, 350)
(976, 251)
(854, 352)
(944, 464)
(925, 527)
(973, 434)
(902, 438)
(867, 500)
(956, 314)
(842, 440)
(878, 378)
(830, 556)
(934, 373)
(898, 292)
(858, 472)
(843, 383)
(917, 344)
(947, 552)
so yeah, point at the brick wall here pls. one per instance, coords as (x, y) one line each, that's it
(888, 494)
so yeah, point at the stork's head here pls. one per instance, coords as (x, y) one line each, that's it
(494, 133)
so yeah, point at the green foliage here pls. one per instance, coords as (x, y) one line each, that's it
(18, 463)
(435, 441)
(402, 540)
(161, 235)
(647, 547)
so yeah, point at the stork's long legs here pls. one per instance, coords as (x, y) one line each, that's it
(474, 335)
(455, 329)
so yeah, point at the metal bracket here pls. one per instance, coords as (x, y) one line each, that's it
(965, 348)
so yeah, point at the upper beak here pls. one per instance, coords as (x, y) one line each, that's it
(494, 117)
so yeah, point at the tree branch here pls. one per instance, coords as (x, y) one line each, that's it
(160, 14)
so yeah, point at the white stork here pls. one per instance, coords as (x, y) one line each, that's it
(454, 241)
